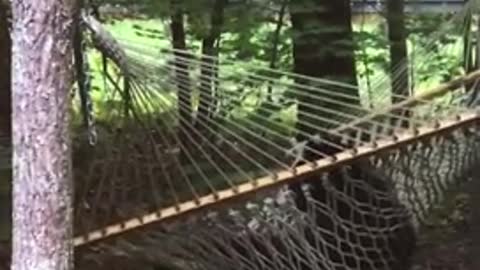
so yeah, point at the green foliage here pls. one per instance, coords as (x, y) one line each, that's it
(372, 51)
(246, 45)
(439, 59)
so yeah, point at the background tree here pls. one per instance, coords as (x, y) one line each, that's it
(273, 44)
(42, 183)
(322, 47)
(177, 28)
(208, 50)
(276, 40)
(397, 37)
(471, 51)
(467, 43)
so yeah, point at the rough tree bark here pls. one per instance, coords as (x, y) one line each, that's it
(322, 47)
(5, 82)
(42, 182)
(398, 49)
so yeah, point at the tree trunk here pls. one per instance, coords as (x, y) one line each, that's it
(208, 63)
(399, 68)
(398, 49)
(5, 74)
(471, 49)
(275, 44)
(181, 65)
(322, 47)
(467, 44)
(42, 181)
(267, 107)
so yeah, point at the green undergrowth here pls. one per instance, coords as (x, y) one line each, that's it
(372, 65)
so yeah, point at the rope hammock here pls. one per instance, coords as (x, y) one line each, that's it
(242, 187)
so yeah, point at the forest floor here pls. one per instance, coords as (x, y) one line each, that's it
(453, 242)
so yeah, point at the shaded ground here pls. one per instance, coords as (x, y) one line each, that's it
(452, 240)
(474, 233)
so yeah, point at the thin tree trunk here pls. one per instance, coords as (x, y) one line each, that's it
(398, 49)
(471, 48)
(275, 43)
(267, 107)
(181, 65)
(208, 63)
(399, 68)
(467, 44)
(42, 181)
(5, 73)
(216, 83)
(322, 47)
